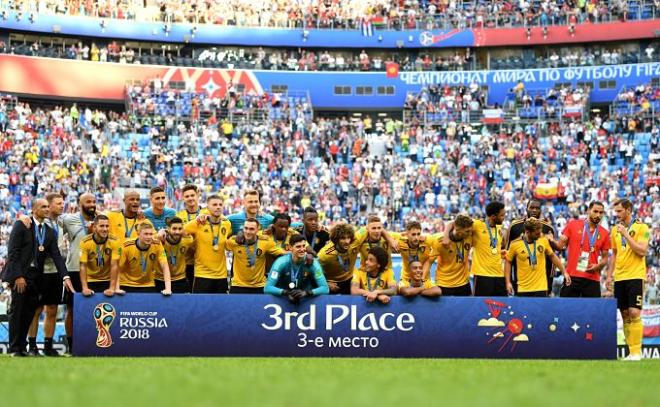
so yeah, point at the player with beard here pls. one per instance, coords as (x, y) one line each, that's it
(176, 247)
(338, 256)
(630, 245)
(413, 247)
(452, 274)
(99, 260)
(124, 223)
(209, 233)
(586, 241)
(192, 209)
(249, 266)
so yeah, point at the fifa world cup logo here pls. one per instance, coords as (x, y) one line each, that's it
(104, 314)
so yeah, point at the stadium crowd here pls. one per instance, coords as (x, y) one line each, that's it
(302, 59)
(346, 168)
(424, 14)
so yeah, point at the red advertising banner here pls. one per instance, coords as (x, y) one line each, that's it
(99, 80)
(584, 32)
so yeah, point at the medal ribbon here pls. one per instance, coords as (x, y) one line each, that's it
(532, 255)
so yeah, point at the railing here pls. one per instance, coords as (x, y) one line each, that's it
(627, 109)
(519, 115)
(645, 10)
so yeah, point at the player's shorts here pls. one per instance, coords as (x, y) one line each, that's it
(462, 291)
(344, 287)
(51, 289)
(489, 286)
(581, 287)
(77, 285)
(190, 274)
(629, 293)
(246, 290)
(143, 290)
(98, 286)
(178, 286)
(203, 285)
(537, 294)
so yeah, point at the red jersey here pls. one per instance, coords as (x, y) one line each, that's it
(578, 242)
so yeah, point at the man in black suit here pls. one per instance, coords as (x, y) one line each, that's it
(28, 250)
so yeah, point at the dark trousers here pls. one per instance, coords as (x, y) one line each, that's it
(22, 309)
(246, 290)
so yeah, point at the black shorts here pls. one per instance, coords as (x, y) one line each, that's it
(143, 290)
(51, 289)
(190, 274)
(203, 285)
(489, 286)
(462, 291)
(246, 290)
(77, 285)
(539, 294)
(178, 286)
(581, 287)
(629, 294)
(98, 286)
(344, 287)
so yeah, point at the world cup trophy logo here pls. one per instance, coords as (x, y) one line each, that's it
(104, 314)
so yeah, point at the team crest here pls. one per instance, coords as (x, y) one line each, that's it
(259, 252)
(152, 257)
(540, 249)
(182, 250)
(223, 231)
(107, 251)
(632, 233)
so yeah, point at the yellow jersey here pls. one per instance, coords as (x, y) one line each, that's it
(365, 245)
(530, 278)
(176, 259)
(422, 253)
(123, 228)
(249, 267)
(426, 283)
(629, 265)
(210, 259)
(137, 267)
(98, 257)
(383, 281)
(186, 217)
(486, 258)
(452, 268)
(338, 267)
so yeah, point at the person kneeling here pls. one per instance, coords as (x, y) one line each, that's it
(291, 277)
(374, 282)
(416, 284)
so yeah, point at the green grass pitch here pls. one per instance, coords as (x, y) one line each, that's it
(269, 382)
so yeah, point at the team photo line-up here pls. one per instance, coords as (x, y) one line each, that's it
(52, 255)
